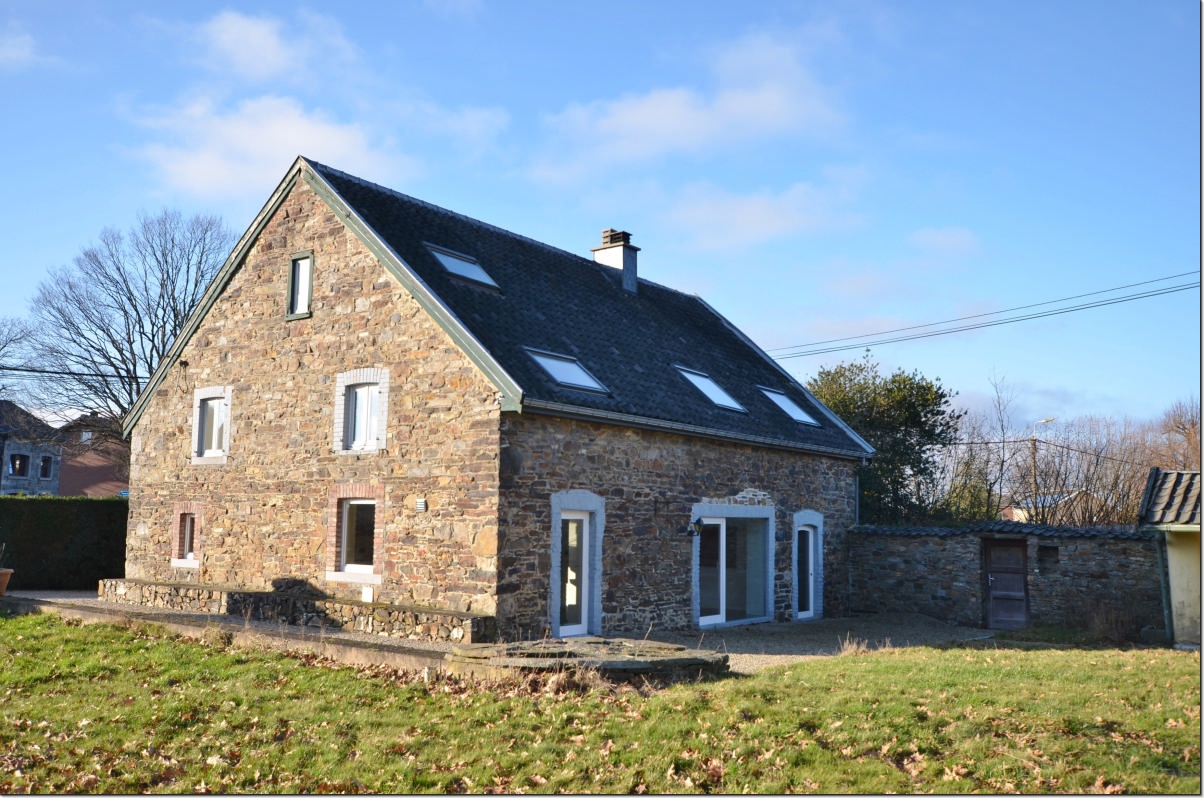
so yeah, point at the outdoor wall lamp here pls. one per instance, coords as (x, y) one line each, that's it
(694, 529)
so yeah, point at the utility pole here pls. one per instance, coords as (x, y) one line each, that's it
(1032, 441)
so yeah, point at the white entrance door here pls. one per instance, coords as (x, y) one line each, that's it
(574, 573)
(733, 563)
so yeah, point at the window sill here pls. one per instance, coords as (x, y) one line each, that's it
(352, 577)
(191, 563)
(296, 316)
(218, 459)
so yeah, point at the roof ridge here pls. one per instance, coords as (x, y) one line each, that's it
(486, 225)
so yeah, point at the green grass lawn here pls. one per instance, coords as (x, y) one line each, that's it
(102, 708)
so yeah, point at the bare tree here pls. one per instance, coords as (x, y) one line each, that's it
(1179, 428)
(103, 325)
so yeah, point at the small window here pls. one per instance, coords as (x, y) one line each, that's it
(211, 425)
(187, 540)
(462, 265)
(361, 410)
(18, 465)
(85, 436)
(357, 535)
(300, 285)
(567, 371)
(711, 389)
(46, 468)
(788, 406)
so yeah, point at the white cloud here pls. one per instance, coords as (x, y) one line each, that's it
(720, 219)
(761, 90)
(946, 241)
(17, 48)
(262, 49)
(244, 150)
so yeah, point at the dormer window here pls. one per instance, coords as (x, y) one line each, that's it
(462, 265)
(789, 407)
(711, 389)
(567, 371)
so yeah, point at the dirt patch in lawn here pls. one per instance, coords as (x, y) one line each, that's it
(750, 648)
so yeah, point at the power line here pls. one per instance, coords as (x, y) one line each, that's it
(21, 371)
(980, 325)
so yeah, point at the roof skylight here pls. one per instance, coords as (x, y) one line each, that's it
(711, 389)
(788, 406)
(567, 371)
(463, 265)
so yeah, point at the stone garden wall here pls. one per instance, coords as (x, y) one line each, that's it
(1108, 578)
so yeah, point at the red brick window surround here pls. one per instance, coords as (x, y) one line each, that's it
(347, 550)
(186, 535)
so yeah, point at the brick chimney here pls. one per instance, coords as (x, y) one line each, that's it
(616, 251)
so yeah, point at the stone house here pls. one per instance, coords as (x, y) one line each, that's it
(96, 458)
(30, 453)
(402, 407)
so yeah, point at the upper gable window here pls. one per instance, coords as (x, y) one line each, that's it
(567, 371)
(711, 389)
(300, 285)
(463, 265)
(789, 407)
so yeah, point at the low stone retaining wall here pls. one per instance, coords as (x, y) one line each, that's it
(305, 608)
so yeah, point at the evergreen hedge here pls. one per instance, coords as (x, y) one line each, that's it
(63, 543)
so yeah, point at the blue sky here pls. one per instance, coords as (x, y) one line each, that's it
(814, 170)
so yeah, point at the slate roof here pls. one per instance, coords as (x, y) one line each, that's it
(17, 422)
(557, 302)
(1004, 528)
(1172, 498)
(553, 301)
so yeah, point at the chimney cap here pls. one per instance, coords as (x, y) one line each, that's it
(611, 237)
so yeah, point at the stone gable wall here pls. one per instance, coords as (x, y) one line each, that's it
(650, 482)
(1073, 581)
(267, 510)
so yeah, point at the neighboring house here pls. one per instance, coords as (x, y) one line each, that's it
(1170, 509)
(29, 453)
(96, 460)
(400, 405)
(1073, 508)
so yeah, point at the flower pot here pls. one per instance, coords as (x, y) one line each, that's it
(5, 573)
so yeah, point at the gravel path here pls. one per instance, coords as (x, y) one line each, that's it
(750, 648)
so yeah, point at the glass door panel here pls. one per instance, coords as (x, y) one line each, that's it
(574, 576)
(710, 581)
(804, 580)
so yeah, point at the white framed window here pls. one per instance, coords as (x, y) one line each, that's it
(711, 389)
(461, 265)
(357, 535)
(789, 406)
(211, 425)
(567, 371)
(300, 285)
(361, 410)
